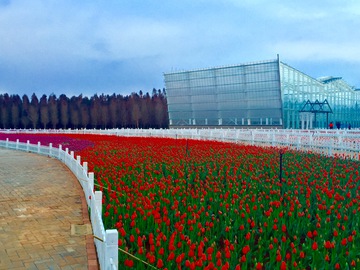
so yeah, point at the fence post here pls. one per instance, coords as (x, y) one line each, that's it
(27, 145)
(89, 190)
(287, 139)
(38, 149)
(330, 148)
(50, 148)
(91, 182)
(85, 167)
(17, 143)
(78, 158)
(78, 166)
(298, 143)
(7, 142)
(66, 157)
(72, 161)
(98, 201)
(111, 248)
(60, 150)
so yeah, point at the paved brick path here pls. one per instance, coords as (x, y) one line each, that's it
(40, 201)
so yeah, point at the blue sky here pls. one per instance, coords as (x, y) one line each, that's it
(117, 46)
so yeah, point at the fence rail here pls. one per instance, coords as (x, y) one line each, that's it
(106, 241)
(342, 142)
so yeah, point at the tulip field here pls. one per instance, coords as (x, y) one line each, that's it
(189, 204)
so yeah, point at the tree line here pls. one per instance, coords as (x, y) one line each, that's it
(137, 110)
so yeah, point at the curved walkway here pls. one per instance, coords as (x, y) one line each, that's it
(44, 222)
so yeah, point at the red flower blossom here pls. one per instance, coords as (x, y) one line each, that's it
(245, 249)
(283, 266)
(328, 245)
(129, 263)
(209, 250)
(180, 257)
(132, 238)
(171, 256)
(302, 254)
(160, 263)
(344, 241)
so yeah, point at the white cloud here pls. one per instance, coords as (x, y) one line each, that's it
(59, 38)
(318, 50)
(136, 37)
(34, 33)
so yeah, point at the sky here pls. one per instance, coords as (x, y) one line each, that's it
(122, 46)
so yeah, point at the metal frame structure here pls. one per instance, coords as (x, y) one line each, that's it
(264, 93)
(297, 88)
(314, 108)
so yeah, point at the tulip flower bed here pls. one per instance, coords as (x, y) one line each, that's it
(185, 204)
(74, 142)
(211, 205)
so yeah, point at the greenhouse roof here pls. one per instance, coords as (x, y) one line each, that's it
(328, 79)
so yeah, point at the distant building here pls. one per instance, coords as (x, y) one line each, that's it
(265, 93)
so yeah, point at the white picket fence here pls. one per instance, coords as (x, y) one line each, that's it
(343, 143)
(106, 241)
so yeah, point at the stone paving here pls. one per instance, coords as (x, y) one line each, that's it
(41, 205)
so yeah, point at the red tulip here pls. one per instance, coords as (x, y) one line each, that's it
(314, 246)
(160, 264)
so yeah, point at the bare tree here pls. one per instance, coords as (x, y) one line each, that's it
(53, 111)
(15, 111)
(25, 121)
(122, 112)
(4, 110)
(64, 110)
(135, 113)
(44, 111)
(95, 111)
(113, 111)
(75, 111)
(104, 111)
(34, 111)
(84, 112)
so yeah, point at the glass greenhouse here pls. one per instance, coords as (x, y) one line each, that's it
(265, 93)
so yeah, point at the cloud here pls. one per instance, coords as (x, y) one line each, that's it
(318, 50)
(129, 44)
(4, 3)
(32, 34)
(126, 38)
